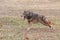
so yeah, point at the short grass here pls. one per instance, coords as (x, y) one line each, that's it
(19, 21)
(15, 21)
(9, 32)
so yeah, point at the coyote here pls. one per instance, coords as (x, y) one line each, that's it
(35, 18)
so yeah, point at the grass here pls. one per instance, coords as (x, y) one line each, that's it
(14, 33)
(19, 21)
(11, 21)
(14, 21)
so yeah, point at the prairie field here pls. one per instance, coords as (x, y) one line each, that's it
(13, 27)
